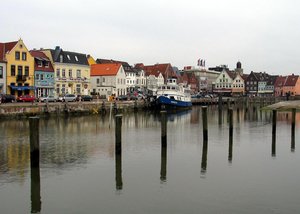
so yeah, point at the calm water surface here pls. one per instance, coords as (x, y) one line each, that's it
(79, 172)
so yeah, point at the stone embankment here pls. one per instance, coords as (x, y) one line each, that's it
(19, 110)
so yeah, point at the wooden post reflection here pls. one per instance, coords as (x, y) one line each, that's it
(163, 165)
(163, 128)
(230, 134)
(119, 182)
(118, 135)
(35, 190)
(274, 118)
(293, 130)
(204, 157)
(220, 116)
(204, 123)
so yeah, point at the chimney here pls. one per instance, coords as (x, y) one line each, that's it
(57, 48)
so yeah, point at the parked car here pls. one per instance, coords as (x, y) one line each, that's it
(86, 98)
(69, 98)
(26, 98)
(49, 98)
(7, 98)
(122, 97)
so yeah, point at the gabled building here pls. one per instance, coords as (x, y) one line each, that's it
(131, 77)
(43, 73)
(238, 85)
(141, 80)
(270, 87)
(251, 84)
(2, 75)
(223, 83)
(291, 85)
(19, 68)
(72, 71)
(108, 79)
(190, 79)
(278, 86)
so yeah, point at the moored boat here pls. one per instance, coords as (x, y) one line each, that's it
(173, 95)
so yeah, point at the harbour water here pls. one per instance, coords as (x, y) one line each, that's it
(79, 172)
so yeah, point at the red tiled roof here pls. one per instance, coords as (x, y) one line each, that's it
(39, 55)
(5, 47)
(280, 81)
(291, 80)
(165, 69)
(105, 69)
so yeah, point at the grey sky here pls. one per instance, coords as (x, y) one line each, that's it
(263, 34)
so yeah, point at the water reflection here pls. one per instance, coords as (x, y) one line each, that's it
(163, 165)
(119, 181)
(204, 157)
(36, 203)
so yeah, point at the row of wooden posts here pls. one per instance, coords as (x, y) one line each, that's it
(35, 151)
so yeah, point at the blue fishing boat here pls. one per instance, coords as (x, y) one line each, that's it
(173, 95)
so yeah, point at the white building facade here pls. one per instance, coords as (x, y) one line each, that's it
(2, 77)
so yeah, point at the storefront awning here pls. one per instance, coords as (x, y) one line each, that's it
(22, 88)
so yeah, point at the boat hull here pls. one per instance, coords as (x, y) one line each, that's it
(167, 102)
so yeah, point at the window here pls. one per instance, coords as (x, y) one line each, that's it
(1, 72)
(39, 63)
(61, 58)
(57, 88)
(63, 88)
(26, 71)
(58, 72)
(24, 56)
(78, 73)
(98, 80)
(13, 70)
(47, 64)
(42, 76)
(78, 88)
(17, 55)
(37, 76)
(70, 72)
(76, 58)
(103, 79)
(68, 57)
(20, 70)
(63, 72)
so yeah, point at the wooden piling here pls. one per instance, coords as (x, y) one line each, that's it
(204, 123)
(34, 141)
(163, 128)
(118, 134)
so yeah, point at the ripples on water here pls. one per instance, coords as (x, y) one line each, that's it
(79, 172)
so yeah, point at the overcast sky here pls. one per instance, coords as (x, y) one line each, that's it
(263, 34)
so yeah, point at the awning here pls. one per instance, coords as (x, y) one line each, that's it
(22, 88)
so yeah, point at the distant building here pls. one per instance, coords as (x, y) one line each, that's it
(19, 68)
(108, 79)
(72, 71)
(206, 78)
(223, 83)
(191, 80)
(43, 73)
(291, 85)
(2, 76)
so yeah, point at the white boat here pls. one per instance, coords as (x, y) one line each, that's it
(173, 95)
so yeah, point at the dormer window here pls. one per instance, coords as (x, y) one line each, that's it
(39, 63)
(68, 57)
(76, 58)
(47, 64)
(61, 58)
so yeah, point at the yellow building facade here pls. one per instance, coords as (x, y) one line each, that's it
(20, 70)
(72, 72)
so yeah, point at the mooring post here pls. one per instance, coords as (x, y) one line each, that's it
(204, 123)
(118, 130)
(34, 141)
(163, 128)
(293, 129)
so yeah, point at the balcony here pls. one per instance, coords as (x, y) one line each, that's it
(21, 78)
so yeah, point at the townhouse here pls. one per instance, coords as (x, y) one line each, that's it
(71, 71)
(43, 73)
(291, 86)
(2, 74)
(108, 79)
(19, 68)
(190, 79)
